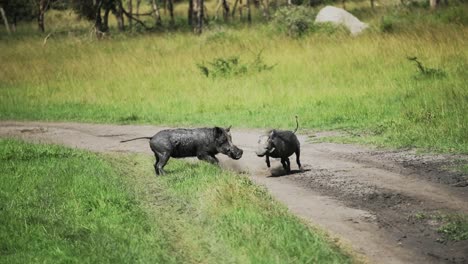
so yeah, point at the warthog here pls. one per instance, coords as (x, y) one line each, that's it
(203, 143)
(280, 144)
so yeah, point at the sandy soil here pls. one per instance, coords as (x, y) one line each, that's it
(369, 199)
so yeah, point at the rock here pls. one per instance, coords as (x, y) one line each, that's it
(340, 16)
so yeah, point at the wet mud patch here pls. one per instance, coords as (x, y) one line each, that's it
(439, 168)
(395, 213)
(34, 130)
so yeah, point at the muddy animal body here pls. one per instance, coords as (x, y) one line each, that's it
(203, 143)
(280, 144)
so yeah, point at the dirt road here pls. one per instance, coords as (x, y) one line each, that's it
(379, 202)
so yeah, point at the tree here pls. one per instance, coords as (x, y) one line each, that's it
(198, 8)
(130, 10)
(171, 11)
(42, 7)
(5, 19)
(18, 10)
(157, 15)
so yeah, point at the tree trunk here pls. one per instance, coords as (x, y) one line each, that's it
(118, 11)
(218, 6)
(234, 8)
(249, 15)
(266, 8)
(171, 11)
(343, 3)
(190, 13)
(225, 10)
(5, 20)
(13, 24)
(130, 10)
(157, 15)
(372, 4)
(433, 4)
(40, 18)
(98, 21)
(200, 16)
(105, 22)
(240, 9)
(138, 2)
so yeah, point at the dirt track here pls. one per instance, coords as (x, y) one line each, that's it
(367, 198)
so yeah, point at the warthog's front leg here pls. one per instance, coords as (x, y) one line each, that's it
(209, 158)
(267, 160)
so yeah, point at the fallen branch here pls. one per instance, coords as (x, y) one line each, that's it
(46, 38)
(130, 16)
(144, 14)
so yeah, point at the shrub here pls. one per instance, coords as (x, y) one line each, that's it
(454, 15)
(295, 21)
(232, 66)
(387, 24)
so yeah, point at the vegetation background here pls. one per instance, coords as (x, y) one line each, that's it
(401, 83)
(289, 66)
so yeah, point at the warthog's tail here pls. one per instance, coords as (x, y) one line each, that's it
(297, 126)
(135, 139)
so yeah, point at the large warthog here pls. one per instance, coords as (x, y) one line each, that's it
(280, 144)
(203, 143)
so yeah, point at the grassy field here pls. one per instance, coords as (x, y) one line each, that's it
(64, 205)
(361, 84)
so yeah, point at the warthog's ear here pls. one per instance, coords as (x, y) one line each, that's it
(272, 133)
(218, 132)
(228, 129)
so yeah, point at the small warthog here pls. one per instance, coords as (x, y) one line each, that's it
(280, 144)
(203, 143)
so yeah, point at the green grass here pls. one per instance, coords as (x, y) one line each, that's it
(363, 84)
(223, 217)
(65, 205)
(455, 227)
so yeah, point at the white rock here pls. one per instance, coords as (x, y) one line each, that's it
(340, 16)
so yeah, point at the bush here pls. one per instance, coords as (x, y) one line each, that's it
(294, 21)
(454, 15)
(387, 24)
(232, 66)
(328, 28)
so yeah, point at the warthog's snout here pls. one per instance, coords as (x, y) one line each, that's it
(261, 153)
(264, 146)
(235, 153)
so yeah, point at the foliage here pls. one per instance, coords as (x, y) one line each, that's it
(19, 10)
(425, 71)
(231, 66)
(363, 84)
(85, 9)
(455, 227)
(295, 21)
(456, 14)
(414, 17)
(387, 24)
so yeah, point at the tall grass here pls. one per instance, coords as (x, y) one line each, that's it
(364, 84)
(220, 217)
(64, 205)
